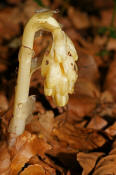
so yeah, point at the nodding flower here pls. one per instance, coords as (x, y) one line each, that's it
(59, 68)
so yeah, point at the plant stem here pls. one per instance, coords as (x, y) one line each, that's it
(39, 21)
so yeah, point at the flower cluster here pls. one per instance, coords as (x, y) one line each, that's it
(59, 68)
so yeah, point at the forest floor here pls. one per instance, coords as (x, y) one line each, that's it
(79, 138)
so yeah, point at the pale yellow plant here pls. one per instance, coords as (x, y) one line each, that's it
(58, 68)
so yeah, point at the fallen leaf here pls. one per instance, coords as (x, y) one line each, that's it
(106, 16)
(26, 146)
(88, 161)
(84, 105)
(111, 130)
(70, 137)
(79, 19)
(4, 159)
(34, 170)
(3, 102)
(110, 82)
(106, 165)
(42, 124)
(87, 88)
(97, 122)
(111, 44)
(14, 1)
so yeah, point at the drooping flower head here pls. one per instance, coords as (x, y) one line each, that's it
(59, 68)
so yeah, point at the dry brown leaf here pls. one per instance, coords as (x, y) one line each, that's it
(97, 122)
(3, 67)
(41, 42)
(81, 124)
(71, 138)
(46, 163)
(88, 160)
(10, 28)
(109, 168)
(37, 170)
(26, 146)
(113, 151)
(64, 21)
(107, 164)
(37, 81)
(95, 21)
(68, 173)
(106, 97)
(103, 4)
(106, 17)
(14, 1)
(87, 83)
(72, 33)
(111, 44)
(105, 106)
(42, 124)
(39, 108)
(4, 159)
(88, 67)
(7, 26)
(111, 130)
(79, 19)
(5, 118)
(88, 46)
(100, 41)
(110, 83)
(34, 170)
(3, 102)
(87, 88)
(80, 106)
(46, 120)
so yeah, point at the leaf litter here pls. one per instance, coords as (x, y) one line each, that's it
(79, 138)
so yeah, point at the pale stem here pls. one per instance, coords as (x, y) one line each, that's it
(39, 21)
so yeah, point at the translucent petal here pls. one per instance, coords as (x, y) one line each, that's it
(61, 100)
(53, 76)
(48, 92)
(71, 48)
(59, 45)
(62, 86)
